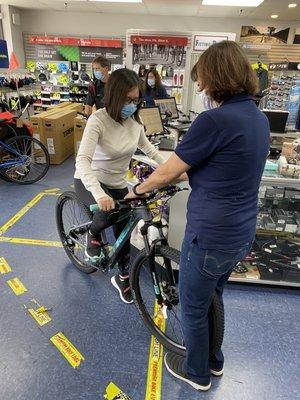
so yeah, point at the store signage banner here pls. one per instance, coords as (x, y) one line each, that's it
(160, 40)
(4, 61)
(264, 34)
(87, 54)
(69, 41)
(202, 42)
(50, 53)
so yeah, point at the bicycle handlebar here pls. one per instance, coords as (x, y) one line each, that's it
(167, 191)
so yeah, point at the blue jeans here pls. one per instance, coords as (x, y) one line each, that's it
(202, 272)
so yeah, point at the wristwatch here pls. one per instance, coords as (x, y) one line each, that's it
(135, 192)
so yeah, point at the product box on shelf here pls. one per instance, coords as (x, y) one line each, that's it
(58, 133)
(79, 126)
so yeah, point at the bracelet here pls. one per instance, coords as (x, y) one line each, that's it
(135, 192)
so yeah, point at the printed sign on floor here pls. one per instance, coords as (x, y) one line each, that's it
(40, 315)
(4, 266)
(112, 392)
(16, 286)
(67, 349)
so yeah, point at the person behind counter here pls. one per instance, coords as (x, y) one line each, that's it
(154, 88)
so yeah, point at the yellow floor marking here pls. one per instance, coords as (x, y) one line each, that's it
(40, 315)
(16, 286)
(4, 266)
(154, 378)
(32, 242)
(21, 213)
(49, 191)
(67, 349)
(113, 392)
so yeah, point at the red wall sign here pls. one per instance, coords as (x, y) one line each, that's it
(69, 41)
(160, 40)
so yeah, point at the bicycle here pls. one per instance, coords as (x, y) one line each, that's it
(23, 160)
(154, 271)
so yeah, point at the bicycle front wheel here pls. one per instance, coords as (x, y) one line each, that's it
(165, 322)
(28, 158)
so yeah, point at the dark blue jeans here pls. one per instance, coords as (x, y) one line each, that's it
(201, 272)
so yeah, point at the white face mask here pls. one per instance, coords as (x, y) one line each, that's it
(151, 82)
(207, 102)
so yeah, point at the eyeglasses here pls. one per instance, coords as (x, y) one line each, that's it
(135, 101)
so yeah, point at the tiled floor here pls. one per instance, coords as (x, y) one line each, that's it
(262, 327)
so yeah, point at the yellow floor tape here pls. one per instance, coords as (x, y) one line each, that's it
(4, 266)
(154, 378)
(34, 242)
(112, 392)
(67, 349)
(40, 315)
(16, 286)
(21, 213)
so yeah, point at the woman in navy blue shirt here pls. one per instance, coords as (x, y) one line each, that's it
(154, 88)
(224, 154)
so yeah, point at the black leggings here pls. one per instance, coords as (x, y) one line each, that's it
(103, 220)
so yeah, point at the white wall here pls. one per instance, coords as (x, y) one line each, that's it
(97, 24)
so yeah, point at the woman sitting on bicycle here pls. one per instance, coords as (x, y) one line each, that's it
(110, 139)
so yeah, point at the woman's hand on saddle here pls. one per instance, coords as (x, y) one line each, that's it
(106, 203)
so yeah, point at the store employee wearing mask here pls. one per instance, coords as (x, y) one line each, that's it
(101, 67)
(224, 154)
(154, 88)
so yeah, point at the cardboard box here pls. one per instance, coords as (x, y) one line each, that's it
(58, 132)
(58, 106)
(36, 121)
(79, 126)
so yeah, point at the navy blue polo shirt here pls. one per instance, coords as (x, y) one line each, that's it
(150, 95)
(227, 149)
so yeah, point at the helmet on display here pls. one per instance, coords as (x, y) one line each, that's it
(75, 77)
(30, 65)
(63, 67)
(42, 77)
(75, 89)
(56, 96)
(52, 67)
(84, 77)
(40, 66)
(63, 79)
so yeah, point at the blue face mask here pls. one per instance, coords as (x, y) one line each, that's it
(98, 75)
(128, 110)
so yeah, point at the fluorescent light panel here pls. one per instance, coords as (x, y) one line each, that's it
(118, 1)
(232, 3)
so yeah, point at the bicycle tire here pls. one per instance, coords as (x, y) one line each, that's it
(61, 202)
(5, 171)
(216, 311)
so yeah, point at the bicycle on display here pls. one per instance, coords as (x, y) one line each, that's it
(154, 271)
(23, 160)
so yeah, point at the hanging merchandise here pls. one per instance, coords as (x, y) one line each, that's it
(74, 66)
(262, 74)
(63, 67)
(31, 66)
(42, 77)
(52, 67)
(293, 103)
(63, 79)
(40, 66)
(84, 77)
(75, 76)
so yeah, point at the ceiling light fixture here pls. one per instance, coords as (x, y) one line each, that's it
(274, 16)
(232, 3)
(292, 5)
(119, 1)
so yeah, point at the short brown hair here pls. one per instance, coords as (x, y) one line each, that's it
(117, 87)
(102, 61)
(223, 70)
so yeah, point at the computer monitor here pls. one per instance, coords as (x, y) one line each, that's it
(151, 119)
(168, 107)
(277, 120)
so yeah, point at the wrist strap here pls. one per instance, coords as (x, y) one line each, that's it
(135, 192)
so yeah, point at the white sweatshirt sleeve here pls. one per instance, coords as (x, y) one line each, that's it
(146, 147)
(91, 136)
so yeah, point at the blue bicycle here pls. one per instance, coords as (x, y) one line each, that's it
(23, 160)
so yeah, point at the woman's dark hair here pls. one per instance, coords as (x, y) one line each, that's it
(223, 70)
(158, 83)
(117, 87)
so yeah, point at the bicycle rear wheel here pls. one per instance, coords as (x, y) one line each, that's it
(71, 213)
(28, 157)
(165, 324)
